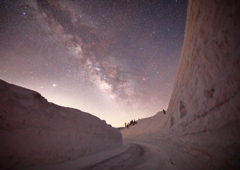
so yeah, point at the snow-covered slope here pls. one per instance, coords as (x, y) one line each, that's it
(203, 118)
(146, 125)
(34, 131)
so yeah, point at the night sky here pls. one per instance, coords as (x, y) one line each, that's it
(115, 59)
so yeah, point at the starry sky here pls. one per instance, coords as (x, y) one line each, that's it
(114, 59)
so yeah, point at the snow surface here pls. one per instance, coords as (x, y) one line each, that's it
(83, 162)
(204, 109)
(203, 116)
(201, 127)
(34, 131)
(134, 155)
(145, 125)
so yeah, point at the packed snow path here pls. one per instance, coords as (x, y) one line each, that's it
(131, 158)
(134, 155)
(139, 156)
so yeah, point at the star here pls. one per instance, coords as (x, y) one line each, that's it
(107, 58)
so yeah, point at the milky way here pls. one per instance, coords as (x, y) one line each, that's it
(114, 59)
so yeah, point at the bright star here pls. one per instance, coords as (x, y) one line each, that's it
(54, 85)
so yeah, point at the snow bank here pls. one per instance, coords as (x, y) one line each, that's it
(204, 110)
(203, 118)
(145, 126)
(34, 132)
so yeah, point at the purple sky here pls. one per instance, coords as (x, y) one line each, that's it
(114, 59)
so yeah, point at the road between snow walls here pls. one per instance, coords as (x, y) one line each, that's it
(201, 127)
(133, 155)
(35, 132)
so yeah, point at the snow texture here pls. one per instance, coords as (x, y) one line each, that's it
(145, 126)
(34, 131)
(203, 115)
(83, 162)
(200, 129)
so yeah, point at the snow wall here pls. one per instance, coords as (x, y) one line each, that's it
(145, 126)
(34, 131)
(203, 116)
(204, 109)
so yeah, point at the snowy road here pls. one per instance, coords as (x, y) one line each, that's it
(133, 158)
(142, 156)
(134, 155)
